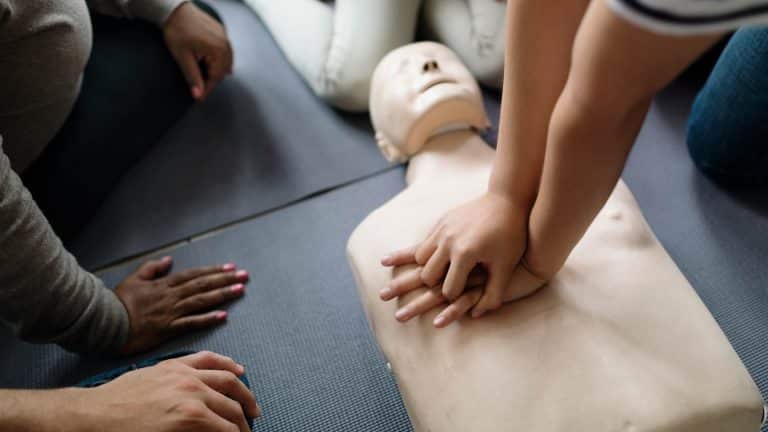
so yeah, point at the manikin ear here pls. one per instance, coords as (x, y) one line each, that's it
(390, 152)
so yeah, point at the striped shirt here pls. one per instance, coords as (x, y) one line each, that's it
(692, 16)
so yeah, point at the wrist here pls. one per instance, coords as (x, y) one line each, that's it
(536, 270)
(542, 264)
(522, 199)
(520, 205)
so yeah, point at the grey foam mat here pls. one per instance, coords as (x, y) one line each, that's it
(300, 330)
(261, 141)
(718, 238)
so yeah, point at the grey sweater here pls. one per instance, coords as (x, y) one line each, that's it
(45, 296)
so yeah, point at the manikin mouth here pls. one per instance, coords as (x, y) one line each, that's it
(436, 81)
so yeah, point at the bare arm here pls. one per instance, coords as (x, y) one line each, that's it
(617, 69)
(538, 52)
(196, 393)
(537, 58)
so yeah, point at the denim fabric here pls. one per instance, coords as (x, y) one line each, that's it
(108, 376)
(132, 93)
(728, 126)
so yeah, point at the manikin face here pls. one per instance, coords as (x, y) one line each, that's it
(419, 90)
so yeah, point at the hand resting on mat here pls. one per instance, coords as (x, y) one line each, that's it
(196, 393)
(161, 307)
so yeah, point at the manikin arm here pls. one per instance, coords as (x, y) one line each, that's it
(595, 123)
(335, 49)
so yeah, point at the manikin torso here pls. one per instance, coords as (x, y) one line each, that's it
(617, 341)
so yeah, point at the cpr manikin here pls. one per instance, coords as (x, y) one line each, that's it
(617, 341)
(336, 46)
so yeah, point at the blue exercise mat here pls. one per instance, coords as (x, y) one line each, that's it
(261, 141)
(300, 330)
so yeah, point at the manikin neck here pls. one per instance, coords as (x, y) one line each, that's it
(450, 153)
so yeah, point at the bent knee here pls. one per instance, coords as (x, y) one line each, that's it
(727, 149)
(487, 61)
(349, 93)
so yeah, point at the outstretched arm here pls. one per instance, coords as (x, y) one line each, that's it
(491, 231)
(617, 69)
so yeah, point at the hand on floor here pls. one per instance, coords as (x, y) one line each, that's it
(199, 392)
(161, 307)
(521, 284)
(489, 232)
(193, 37)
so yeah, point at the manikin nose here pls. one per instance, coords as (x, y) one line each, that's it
(430, 66)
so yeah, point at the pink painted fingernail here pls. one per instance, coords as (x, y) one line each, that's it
(228, 267)
(242, 275)
(439, 320)
(197, 92)
(386, 260)
(402, 313)
(385, 293)
(221, 315)
(237, 289)
(165, 259)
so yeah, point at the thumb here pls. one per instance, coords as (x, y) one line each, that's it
(190, 68)
(152, 269)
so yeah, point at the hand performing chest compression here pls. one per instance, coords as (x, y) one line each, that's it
(472, 258)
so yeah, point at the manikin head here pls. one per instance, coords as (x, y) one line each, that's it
(417, 91)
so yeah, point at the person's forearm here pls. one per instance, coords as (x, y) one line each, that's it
(39, 411)
(586, 154)
(538, 55)
(617, 70)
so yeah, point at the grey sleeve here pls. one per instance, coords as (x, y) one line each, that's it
(45, 296)
(156, 11)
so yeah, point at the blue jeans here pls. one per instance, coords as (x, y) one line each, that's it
(728, 127)
(132, 93)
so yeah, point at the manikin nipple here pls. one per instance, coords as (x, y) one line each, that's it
(390, 152)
